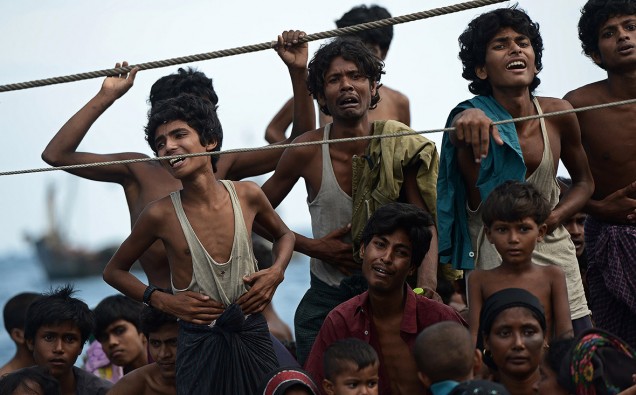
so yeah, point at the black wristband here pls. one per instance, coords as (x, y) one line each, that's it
(148, 293)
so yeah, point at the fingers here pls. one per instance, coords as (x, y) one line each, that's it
(195, 295)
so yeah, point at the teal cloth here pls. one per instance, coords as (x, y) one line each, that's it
(503, 163)
(443, 387)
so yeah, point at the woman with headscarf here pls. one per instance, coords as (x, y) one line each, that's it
(512, 329)
(597, 363)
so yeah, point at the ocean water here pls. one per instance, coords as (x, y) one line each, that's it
(22, 272)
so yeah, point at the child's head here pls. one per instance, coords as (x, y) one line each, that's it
(380, 38)
(14, 315)
(31, 381)
(187, 80)
(350, 364)
(445, 351)
(117, 329)
(593, 15)
(198, 113)
(513, 201)
(161, 330)
(407, 217)
(473, 44)
(56, 328)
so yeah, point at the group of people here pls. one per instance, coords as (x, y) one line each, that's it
(391, 219)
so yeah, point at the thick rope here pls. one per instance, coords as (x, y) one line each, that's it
(305, 144)
(251, 48)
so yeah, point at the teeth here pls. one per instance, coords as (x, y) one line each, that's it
(515, 64)
(173, 161)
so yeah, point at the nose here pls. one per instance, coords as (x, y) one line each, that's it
(577, 229)
(113, 340)
(57, 347)
(518, 341)
(164, 351)
(514, 237)
(515, 48)
(345, 84)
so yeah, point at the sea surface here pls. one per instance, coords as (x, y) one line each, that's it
(21, 272)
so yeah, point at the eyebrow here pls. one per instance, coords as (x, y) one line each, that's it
(170, 133)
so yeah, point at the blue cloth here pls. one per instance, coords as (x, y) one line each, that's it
(503, 163)
(443, 387)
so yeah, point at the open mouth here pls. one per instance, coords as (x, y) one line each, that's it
(348, 102)
(516, 65)
(381, 271)
(175, 161)
(624, 48)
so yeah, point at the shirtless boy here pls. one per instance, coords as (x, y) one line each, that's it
(514, 217)
(501, 54)
(607, 30)
(209, 264)
(343, 78)
(394, 105)
(14, 314)
(158, 378)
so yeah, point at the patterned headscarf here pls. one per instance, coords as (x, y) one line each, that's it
(598, 364)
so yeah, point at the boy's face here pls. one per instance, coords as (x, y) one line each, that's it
(123, 344)
(162, 345)
(177, 137)
(354, 381)
(509, 60)
(617, 43)
(515, 241)
(386, 261)
(575, 226)
(347, 92)
(56, 347)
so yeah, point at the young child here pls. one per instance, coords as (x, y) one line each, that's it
(117, 329)
(514, 216)
(445, 356)
(157, 378)
(56, 328)
(14, 314)
(206, 229)
(351, 366)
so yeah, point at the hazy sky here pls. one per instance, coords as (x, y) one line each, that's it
(52, 38)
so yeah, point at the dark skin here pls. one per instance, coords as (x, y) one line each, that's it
(23, 357)
(205, 201)
(511, 89)
(146, 182)
(342, 80)
(607, 134)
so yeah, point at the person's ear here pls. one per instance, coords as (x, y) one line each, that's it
(211, 145)
(328, 387)
(412, 269)
(543, 229)
(17, 335)
(29, 343)
(596, 57)
(361, 252)
(374, 88)
(424, 379)
(477, 363)
(488, 233)
(481, 73)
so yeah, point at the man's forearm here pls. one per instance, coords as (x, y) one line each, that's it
(427, 272)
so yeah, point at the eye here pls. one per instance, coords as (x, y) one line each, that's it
(630, 27)
(48, 337)
(498, 47)
(120, 330)
(503, 333)
(379, 243)
(352, 384)
(524, 228)
(524, 44)
(372, 384)
(172, 342)
(155, 343)
(529, 332)
(607, 34)
(159, 146)
(69, 339)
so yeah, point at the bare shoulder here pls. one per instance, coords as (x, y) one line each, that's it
(553, 271)
(134, 382)
(249, 191)
(552, 104)
(587, 95)
(398, 97)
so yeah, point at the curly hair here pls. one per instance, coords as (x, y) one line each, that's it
(188, 80)
(473, 44)
(362, 14)
(197, 112)
(594, 14)
(351, 49)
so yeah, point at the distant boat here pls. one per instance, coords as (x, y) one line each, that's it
(58, 258)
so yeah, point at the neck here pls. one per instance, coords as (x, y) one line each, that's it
(622, 85)
(203, 187)
(517, 102)
(67, 382)
(517, 267)
(519, 386)
(355, 127)
(387, 303)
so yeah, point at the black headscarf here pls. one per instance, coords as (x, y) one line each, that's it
(503, 300)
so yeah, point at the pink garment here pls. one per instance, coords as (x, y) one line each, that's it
(97, 363)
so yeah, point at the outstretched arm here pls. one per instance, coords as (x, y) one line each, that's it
(62, 149)
(264, 282)
(473, 128)
(294, 54)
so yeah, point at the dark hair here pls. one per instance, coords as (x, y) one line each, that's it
(345, 351)
(57, 307)
(152, 320)
(188, 80)
(473, 44)
(514, 200)
(594, 14)
(19, 379)
(198, 113)
(350, 49)
(444, 351)
(113, 308)
(412, 219)
(362, 14)
(15, 309)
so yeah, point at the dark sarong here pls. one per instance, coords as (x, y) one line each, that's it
(230, 358)
(312, 310)
(611, 277)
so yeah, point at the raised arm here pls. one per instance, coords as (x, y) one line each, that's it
(264, 282)
(275, 131)
(294, 54)
(62, 149)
